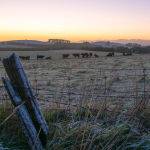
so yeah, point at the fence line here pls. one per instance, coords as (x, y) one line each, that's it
(102, 83)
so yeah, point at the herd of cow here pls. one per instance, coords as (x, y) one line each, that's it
(64, 56)
(111, 54)
(74, 55)
(38, 57)
(80, 55)
(90, 55)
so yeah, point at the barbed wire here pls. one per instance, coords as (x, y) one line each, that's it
(98, 84)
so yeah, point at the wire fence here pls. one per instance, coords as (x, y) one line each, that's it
(74, 85)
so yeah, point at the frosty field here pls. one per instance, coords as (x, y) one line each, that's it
(87, 81)
(88, 103)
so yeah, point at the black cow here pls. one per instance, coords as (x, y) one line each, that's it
(76, 55)
(90, 55)
(48, 58)
(111, 54)
(85, 55)
(40, 57)
(24, 57)
(65, 56)
(96, 56)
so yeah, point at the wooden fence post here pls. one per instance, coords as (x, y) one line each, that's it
(21, 86)
(24, 117)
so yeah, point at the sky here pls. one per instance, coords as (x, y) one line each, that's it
(75, 20)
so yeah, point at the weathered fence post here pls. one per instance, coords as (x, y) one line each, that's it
(22, 88)
(24, 117)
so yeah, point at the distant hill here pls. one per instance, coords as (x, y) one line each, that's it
(107, 44)
(40, 45)
(28, 42)
(21, 44)
(138, 41)
(30, 45)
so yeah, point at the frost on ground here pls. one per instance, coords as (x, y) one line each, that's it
(80, 81)
(105, 91)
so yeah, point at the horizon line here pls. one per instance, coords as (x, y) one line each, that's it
(119, 39)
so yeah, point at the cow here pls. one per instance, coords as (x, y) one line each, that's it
(76, 55)
(48, 58)
(96, 56)
(24, 57)
(65, 56)
(85, 55)
(90, 55)
(40, 57)
(111, 54)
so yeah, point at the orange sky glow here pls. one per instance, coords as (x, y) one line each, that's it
(74, 19)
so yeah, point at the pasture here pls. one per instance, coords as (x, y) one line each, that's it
(105, 91)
